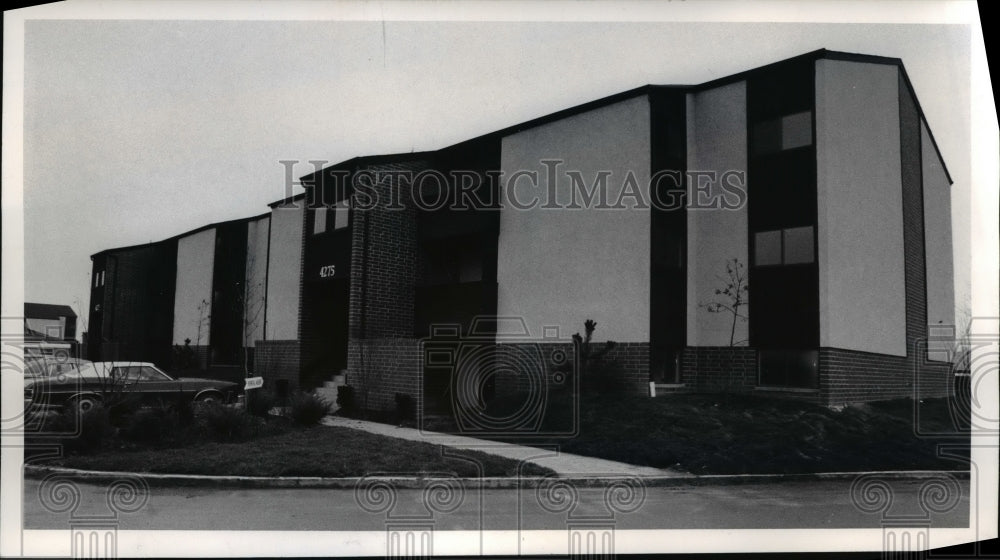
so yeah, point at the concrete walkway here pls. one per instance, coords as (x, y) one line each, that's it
(564, 464)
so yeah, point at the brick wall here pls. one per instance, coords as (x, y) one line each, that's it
(278, 360)
(719, 368)
(384, 270)
(848, 376)
(382, 367)
(519, 365)
(383, 356)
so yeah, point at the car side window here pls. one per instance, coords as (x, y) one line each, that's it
(126, 373)
(152, 374)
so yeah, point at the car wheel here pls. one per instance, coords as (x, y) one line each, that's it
(208, 399)
(85, 403)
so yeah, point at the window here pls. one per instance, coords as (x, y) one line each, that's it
(788, 368)
(102, 277)
(798, 245)
(767, 248)
(470, 269)
(784, 246)
(319, 220)
(342, 215)
(323, 221)
(783, 133)
(148, 373)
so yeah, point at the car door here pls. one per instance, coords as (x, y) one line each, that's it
(123, 385)
(158, 387)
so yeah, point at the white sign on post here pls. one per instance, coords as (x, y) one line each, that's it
(254, 383)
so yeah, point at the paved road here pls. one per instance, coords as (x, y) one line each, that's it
(815, 504)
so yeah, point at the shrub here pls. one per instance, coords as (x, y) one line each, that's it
(184, 410)
(224, 424)
(405, 408)
(121, 407)
(184, 357)
(153, 426)
(347, 400)
(309, 409)
(86, 432)
(259, 402)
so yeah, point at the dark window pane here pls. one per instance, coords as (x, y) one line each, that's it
(341, 215)
(796, 130)
(799, 245)
(767, 137)
(319, 220)
(789, 368)
(767, 248)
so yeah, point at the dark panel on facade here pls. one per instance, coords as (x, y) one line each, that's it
(459, 238)
(228, 286)
(782, 206)
(132, 304)
(668, 227)
(326, 270)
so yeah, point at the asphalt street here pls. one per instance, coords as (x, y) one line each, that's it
(806, 505)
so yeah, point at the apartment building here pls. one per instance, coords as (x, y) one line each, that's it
(815, 179)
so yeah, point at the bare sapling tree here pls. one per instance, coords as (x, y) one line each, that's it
(732, 298)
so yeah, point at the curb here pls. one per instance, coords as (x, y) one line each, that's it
(198, 480)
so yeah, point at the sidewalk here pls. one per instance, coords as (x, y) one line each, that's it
(564, 464)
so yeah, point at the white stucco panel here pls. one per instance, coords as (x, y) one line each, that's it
(860, 220)
(283, 272)
(558, 267)
(193, 293)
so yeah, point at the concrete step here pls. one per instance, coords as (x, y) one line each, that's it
(670, 389)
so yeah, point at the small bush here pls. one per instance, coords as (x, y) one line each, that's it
(184, 410)
(224, 424)
(309, 409)
(153, 426)
(406, 410)
(87, 432)
(259, 402)
(121, 408)
(347, 401)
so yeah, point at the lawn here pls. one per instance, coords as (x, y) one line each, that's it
(726, 434)
(283, 449)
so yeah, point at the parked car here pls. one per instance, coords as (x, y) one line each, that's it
(95, 383)
(48, 366)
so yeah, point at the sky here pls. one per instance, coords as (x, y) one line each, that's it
(135, 130)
